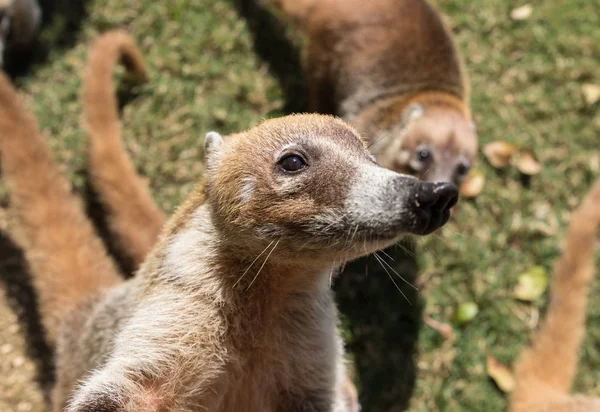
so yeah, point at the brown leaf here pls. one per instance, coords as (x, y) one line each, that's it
(444, 329)
(500, 374)
(499, 153)
(521, 13)
(473, 184)
(591, 93)
(527, 164)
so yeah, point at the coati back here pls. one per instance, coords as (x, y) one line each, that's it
(203, 325)
(544, 372)
(391, 69)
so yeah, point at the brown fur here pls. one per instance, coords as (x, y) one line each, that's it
(545, 371)
(373, 62)
(134, 218)
(202, 326)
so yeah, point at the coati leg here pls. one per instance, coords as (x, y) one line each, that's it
(68, 261)
(545, 371)
(134, 218)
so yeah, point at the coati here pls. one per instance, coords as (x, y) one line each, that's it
(390, 68)
(231, 310)
(134, 219)
(544, 372)
(20, 21)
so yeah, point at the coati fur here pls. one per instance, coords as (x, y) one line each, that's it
(391, 69)
(20, 21)
(231, 310)
(545, 371)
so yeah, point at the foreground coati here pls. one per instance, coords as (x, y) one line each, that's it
(390, 68)
(133, 217)
(231, 310)
(544, 372)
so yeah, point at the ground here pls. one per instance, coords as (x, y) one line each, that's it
(224, 65)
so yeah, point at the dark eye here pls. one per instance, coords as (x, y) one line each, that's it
(292, 163)
(462, 169)
(423, 154)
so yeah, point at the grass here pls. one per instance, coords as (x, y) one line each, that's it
(223, 65)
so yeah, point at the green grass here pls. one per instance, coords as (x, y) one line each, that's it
(208, 73)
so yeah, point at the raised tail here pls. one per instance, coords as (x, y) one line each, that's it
(67, 260)
(301, 12)
(134, 218)
(546, 369)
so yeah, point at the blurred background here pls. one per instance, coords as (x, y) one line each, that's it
(226, 64)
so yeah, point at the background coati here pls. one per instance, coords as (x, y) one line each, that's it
(391, 69)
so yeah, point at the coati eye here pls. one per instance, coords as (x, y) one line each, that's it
(423, 154)
(462, 169)
(292, 163)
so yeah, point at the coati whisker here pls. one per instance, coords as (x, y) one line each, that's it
(406, 250)
(381, 136)
(391, 278)
(385, 253)
(397, 274)
(253, 262)
(263, 264)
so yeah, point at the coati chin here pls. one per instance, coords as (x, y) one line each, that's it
(231, 310)
(545, 371)
(391, 69)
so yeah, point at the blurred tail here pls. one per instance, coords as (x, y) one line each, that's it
(134, 218)
(547, 369)
(67, 260)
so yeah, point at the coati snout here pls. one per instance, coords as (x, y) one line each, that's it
(316, 187)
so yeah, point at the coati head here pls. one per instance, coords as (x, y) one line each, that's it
(309, 183)
(434, 141)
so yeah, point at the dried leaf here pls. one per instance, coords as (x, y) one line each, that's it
(591, 93)
(499, 153)
(527, 164)
(521, 13)
(532, 284)
(500, 374)
(444, 329)
(473, 184)
(465, 312)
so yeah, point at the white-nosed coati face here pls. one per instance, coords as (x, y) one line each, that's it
(309, 182)
(435, 144)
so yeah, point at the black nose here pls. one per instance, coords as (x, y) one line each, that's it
(433, 202)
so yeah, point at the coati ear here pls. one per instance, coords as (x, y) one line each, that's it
(412, 112)
(213, 142)
(473, 127)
